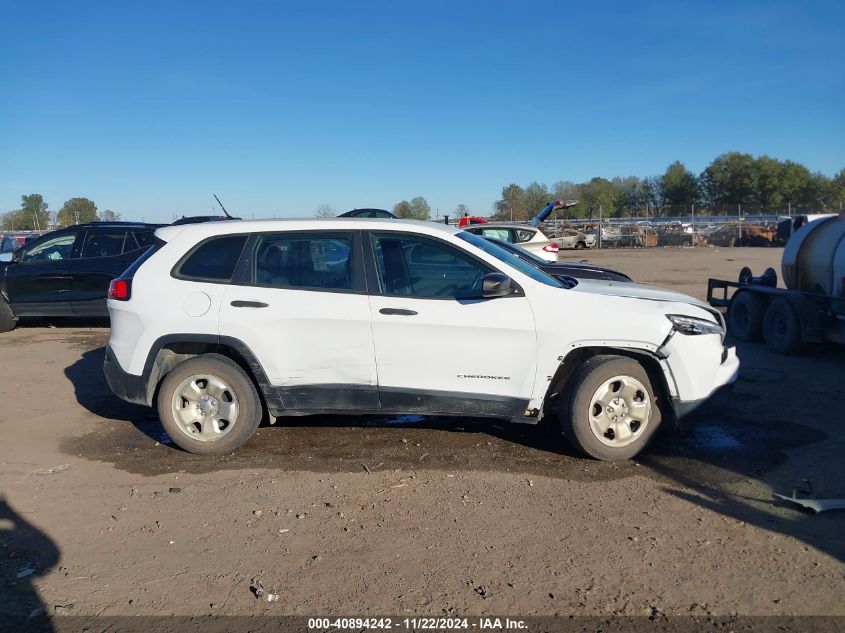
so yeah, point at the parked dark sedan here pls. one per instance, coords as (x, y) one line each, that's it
(579, 270)
(67, 272)
(368, 213)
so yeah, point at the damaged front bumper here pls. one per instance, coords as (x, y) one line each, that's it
(705, 380)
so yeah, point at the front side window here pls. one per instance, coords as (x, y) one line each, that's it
(313, 260)
(103, 243)
(59, 247)
(417, 267)
(215, 259)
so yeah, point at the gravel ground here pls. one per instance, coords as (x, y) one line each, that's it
(100, 514)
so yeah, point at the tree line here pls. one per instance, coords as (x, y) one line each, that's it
(34, 214)
(732, 183)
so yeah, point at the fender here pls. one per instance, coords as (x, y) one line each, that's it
(578, 351)
(184, 346)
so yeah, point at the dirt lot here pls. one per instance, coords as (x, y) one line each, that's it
(101, 515)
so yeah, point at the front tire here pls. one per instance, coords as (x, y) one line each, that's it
(7, 317)
(610, 411)
(209, 405)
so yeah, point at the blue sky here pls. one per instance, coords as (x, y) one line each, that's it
(149, 107)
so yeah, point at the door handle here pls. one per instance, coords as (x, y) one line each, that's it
(248, 304)
(398, 311)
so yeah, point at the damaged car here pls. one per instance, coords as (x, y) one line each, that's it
(220, 323)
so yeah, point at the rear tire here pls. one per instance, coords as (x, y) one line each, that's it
(7, 317)
(610, 411)
(209, 405)
(745, 316)
(782, 328)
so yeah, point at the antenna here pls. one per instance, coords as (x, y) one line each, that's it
(222, 207)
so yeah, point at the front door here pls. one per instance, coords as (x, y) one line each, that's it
(39, 283)
(440, 347)
(299, 303)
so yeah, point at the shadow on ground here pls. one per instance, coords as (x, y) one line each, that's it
(772, 435)
(27, 554)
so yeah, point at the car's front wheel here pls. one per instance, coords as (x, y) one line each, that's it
(208, 404)
(610, 411)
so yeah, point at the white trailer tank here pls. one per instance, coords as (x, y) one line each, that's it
(814, 258)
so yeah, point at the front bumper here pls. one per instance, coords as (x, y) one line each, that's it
(124, 385)
(721, 386)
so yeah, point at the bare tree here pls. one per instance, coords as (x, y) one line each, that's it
(325, 211)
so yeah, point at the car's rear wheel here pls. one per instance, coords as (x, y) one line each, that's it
(610, 411)
(7, 317)
(208, 404)
(745, 316)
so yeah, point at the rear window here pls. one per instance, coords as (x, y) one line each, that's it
(214, 259)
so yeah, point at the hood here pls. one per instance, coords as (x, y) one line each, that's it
(641, 291)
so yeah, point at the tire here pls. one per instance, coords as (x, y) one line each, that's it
(7, 317)
(579, 246)
(582, 417)
(227, 389)
(745, 316)
(782, 328)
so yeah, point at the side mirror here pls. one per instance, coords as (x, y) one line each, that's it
(496, 285)
(17, 256)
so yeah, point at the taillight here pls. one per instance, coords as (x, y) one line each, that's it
(551, 248)
(119, 289)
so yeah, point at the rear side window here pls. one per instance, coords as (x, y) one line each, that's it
(103, 243)
(214, 259)
(318, 261)
(134, 266)
(145, 238)
(524, 235)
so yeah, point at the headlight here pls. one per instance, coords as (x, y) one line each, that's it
(694, 325)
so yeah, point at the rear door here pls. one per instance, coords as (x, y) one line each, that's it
(39, 283)
(299, 303)
(441, 347)
(106, 252)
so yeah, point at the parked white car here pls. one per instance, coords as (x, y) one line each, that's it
(221, 320)
(530, 238)
(573, 239)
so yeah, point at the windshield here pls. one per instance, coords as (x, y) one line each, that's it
(520, 252)
(510, 259)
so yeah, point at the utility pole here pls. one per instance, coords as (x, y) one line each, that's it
(693, 226)
(599, 226)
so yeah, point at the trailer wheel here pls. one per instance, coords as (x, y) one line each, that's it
(781, 328)
(745, 316)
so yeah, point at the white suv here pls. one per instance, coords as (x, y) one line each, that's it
(221, 321)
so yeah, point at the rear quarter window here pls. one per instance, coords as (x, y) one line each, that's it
(213, 260)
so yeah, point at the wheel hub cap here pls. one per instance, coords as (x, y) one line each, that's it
(205, 407)
(620, 411)
(208, 405)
